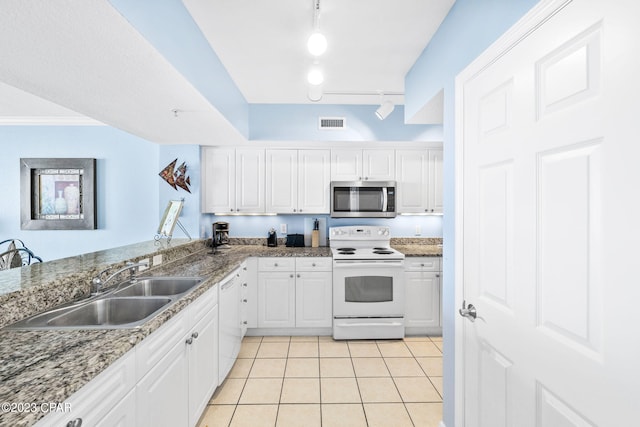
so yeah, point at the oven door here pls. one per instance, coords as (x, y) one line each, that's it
(368, 288)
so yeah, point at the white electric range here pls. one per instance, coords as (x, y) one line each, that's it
(368, 285)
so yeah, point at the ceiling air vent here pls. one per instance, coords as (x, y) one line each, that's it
(327, 123)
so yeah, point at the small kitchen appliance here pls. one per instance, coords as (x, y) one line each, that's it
(272, 238)
(220, 237)
(368, 284)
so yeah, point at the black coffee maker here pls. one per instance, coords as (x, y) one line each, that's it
(220, 236)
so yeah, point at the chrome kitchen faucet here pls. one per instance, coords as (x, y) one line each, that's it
(97, 285)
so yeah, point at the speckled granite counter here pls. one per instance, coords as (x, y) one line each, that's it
(49, 366)
(418, 246)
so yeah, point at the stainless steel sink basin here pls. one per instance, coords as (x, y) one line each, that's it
(159, 286)
(129, 306)
(110, 312)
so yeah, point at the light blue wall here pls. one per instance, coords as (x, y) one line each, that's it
(271, 122)
(169, 27)
(469, 28)
(127, 182)
(190, 216)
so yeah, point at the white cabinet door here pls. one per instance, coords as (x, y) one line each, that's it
(203, 364)
(276, 299)
(435, 187)
(218, 179)
(282, 181)
(412, 176)
(314, 179)
(378, 165)
(250, 176)
(162, 396)
(122, 415)
(422, 299)
(346, 165)
(314, 299)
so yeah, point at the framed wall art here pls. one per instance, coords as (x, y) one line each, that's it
(58, 194)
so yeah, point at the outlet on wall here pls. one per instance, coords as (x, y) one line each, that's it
(283, 228)
(418, 230)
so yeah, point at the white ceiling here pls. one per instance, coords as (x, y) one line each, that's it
(79, 59)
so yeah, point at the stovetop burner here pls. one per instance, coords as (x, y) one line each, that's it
(383, 252)
(346, 253)
(380, 249)
(346, 249)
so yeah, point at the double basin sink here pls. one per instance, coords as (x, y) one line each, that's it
(129, 306)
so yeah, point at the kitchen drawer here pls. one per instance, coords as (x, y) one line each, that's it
(314, 264)
(204, 304)
(277, 264)
(422, 264)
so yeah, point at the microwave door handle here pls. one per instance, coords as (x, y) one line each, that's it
(384, 199)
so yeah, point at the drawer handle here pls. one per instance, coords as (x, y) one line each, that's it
(244, 300)
(297, 275)
(275, 264)
(75, 423)
(422, 265)
(194, 335)
(291, 275)
(437, 275)
(244, 284)
(244, 322)
(189, 341)
(313, 264)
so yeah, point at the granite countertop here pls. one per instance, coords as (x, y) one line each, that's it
(50, 365)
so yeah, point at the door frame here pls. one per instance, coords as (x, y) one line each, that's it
(536, 17)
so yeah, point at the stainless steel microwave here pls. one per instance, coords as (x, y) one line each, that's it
(363, 199)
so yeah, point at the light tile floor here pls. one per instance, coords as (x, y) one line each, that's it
(316, 381)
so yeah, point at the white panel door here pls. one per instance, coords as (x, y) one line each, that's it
(547, 253)
(314, 299)
(346, 165)
(218, 179)
(314, 178)
(435, 186)
(276, 300)
(250, 180)
(412, 172)
(378, 165)
(281, 181)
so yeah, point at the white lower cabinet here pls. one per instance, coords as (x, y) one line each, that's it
(422, 287)
(294, 292)
(176, 390)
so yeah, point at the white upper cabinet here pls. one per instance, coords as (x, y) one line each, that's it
(358, 165)
(314, 178)
(250, 180)
(297, 181)
(218, 179)
(419, 181)
(233, 180)
(282, 181)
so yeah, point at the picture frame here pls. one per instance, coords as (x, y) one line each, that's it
(170, 218)
(58, 194)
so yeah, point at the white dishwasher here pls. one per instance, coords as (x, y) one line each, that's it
(230, 327)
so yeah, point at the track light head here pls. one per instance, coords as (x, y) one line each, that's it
(385, 109)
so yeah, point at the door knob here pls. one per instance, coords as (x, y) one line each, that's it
(468, 311)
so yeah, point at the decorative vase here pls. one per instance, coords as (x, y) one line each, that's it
(72, 196)
(60, 204)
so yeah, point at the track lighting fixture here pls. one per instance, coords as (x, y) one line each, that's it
(385, 109)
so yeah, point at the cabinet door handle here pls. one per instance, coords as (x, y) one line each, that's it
(275, 264)
(244, 300)
(244, 284)
(189, 341)
(294, 210)
(422, 264)
(244, 322)
(437, 275)
(75, 423)
(291, 275)
(313, 264)
(195, 335)
(297, 275)
(231, 209)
